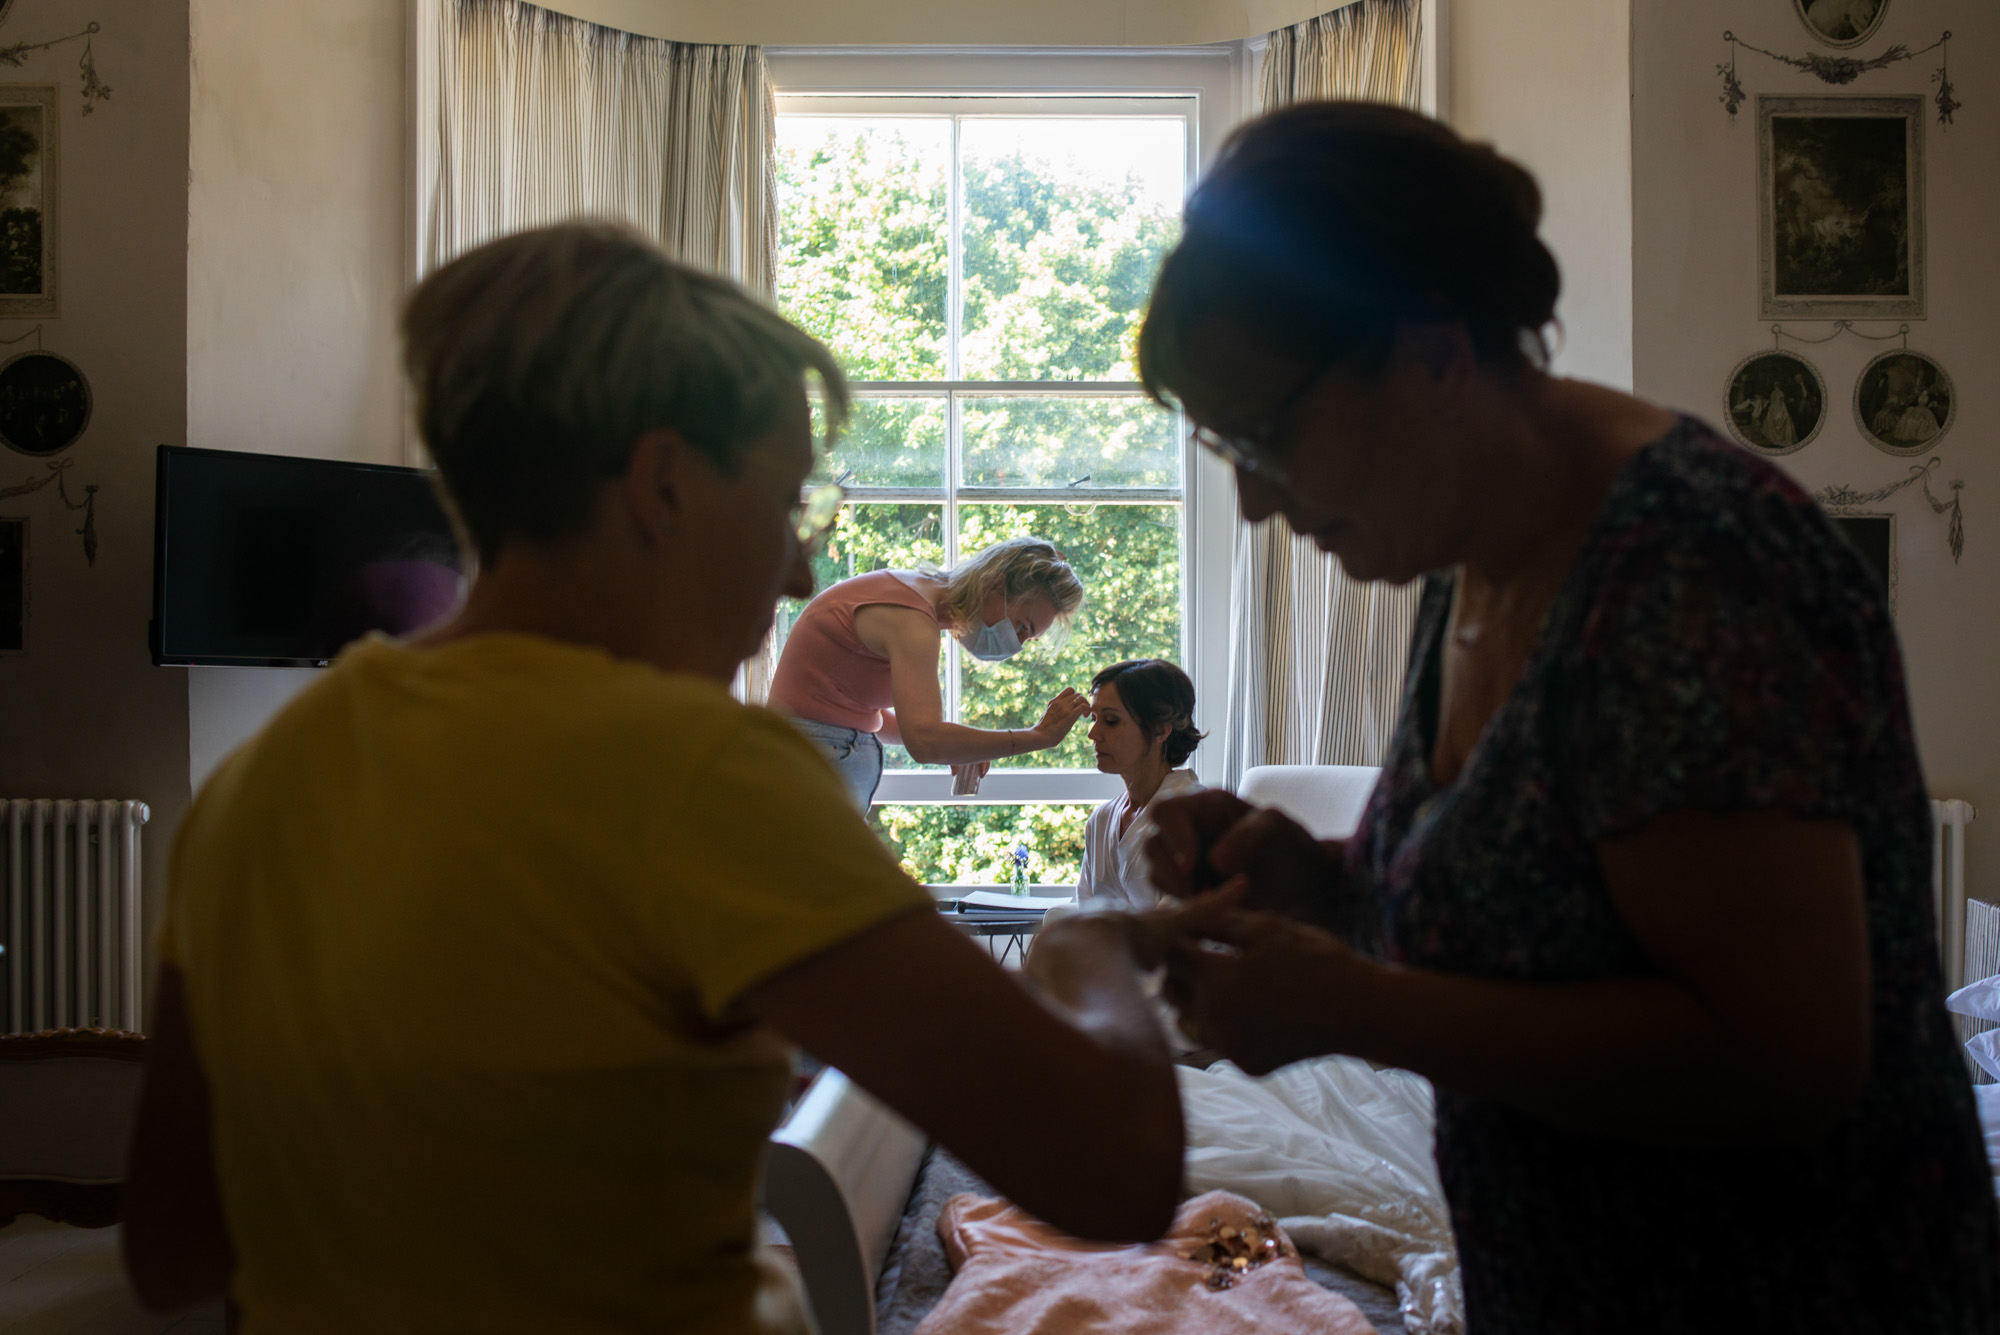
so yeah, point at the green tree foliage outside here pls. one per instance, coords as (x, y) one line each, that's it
(863, 237)
(1056, 269)
(974, 844)
(894, 441)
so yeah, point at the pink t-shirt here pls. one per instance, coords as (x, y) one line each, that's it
(1018, 1276)
(826, 674)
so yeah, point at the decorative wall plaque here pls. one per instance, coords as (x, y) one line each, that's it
(1904, 402)
(44, 403)
(1776, 402)
(1841, 22)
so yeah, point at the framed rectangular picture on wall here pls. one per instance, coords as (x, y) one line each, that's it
(1874, 536)
(13, 585)
(30, 200)
(1840, 207)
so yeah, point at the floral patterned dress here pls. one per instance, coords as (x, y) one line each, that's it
(1717, 646)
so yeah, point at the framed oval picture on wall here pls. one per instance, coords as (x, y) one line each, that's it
(1775, 403)
(44, 403)
(1904, 402)
(1841, 22)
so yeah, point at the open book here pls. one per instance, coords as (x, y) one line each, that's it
(1001, 899)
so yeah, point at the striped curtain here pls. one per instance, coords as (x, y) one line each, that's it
(1364, 52)
(544, 117)
(1317, 659)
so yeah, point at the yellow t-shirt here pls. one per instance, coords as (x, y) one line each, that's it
(461, 931)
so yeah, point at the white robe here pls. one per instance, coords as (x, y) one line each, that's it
(1114, 873)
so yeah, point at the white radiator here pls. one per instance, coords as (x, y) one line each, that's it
(1948, 821)
(70, 914)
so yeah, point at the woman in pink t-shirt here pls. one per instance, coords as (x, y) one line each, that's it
(860, 666)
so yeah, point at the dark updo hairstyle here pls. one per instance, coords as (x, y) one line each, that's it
(1325, 225)
(1158, 696)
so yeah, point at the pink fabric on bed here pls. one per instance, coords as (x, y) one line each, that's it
(1018, 1276)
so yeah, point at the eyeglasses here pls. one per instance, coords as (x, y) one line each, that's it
(815, 516)
(1257, 452)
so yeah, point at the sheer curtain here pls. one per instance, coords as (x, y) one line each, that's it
(541, 117)
(1316, 659)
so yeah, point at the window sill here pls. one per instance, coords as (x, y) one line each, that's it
(1000, 787)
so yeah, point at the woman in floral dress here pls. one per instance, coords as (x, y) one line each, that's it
(1644, 888)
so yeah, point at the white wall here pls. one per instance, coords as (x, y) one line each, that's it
(296, 233)
(1549, 85)
(296, 240)
(83, 713)
(1694, 205)
(232, 260)
(227, 705)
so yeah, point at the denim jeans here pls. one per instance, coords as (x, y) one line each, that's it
(856, 756)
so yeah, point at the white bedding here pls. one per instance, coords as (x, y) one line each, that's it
(1342, 1154)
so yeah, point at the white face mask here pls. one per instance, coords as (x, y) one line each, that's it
(993, 643)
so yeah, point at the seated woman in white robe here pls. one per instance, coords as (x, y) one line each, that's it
(1142, 727)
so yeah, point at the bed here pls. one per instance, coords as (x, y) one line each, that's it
(856, 1192)
(916, 1272)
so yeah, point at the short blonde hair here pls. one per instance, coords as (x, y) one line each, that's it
(1020, 566)
(539, 359)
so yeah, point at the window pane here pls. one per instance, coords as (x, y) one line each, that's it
(1129, 558)
(1066, 220)
(1017, 441)
(873, 537)
(863, 226)
(940, 845)
(880, 537)
(886, 442)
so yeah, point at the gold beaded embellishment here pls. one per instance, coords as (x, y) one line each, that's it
(1230, 1252)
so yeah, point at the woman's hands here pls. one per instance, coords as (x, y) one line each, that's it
(1262, 989)
(1749, 1024)
(1246, 971)
(1059, 718)
(1143, 938)
(1201, 840)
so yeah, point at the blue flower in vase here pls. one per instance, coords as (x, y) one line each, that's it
(1020, 878)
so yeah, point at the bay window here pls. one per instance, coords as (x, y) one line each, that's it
(980, 264)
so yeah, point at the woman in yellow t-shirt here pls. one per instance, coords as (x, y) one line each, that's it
(481, 964)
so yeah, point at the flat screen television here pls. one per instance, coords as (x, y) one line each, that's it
(270, 561)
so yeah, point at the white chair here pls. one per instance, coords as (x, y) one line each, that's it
(837, 1175)
(1327, 799)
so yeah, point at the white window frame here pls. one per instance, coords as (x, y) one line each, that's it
(1206, 84)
